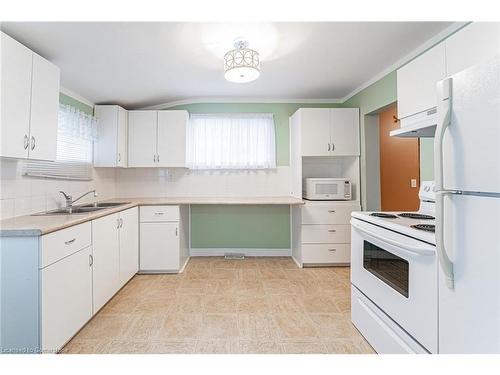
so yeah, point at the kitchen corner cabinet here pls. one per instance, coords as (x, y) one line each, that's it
(29, 102)
(416, 82)
(115, 254)
(157, 138)
(164, 238)
(111, 148)
(329, 131)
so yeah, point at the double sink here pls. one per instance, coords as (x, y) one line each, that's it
(83, 209)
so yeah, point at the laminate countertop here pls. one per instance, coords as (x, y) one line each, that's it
(37, 225)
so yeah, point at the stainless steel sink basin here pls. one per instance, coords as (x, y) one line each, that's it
(70, 211)
(104, 204)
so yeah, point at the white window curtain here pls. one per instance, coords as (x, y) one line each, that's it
(231, 141)
(75, 135)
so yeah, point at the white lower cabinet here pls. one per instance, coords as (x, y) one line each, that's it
(129, 244)
(115, 255)
(163, 238)
(322, 233)
(106, 255)
(66, 298)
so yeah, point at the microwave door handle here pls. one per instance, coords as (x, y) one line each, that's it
(403, 246)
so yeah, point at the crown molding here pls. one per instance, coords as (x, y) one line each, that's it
(75, 96)
(238, 100)
(409, 57)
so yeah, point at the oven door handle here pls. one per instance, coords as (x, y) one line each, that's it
(400, 245)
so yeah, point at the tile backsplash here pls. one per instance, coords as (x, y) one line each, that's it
(22, 195)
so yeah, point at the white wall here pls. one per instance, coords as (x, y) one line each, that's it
(22, 195)
(159, 182)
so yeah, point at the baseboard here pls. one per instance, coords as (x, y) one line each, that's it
(184, 265)
(217, 252)
(297, 262)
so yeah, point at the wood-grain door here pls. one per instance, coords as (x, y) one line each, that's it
(399, 167)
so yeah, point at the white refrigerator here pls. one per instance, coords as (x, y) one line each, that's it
(467, 174)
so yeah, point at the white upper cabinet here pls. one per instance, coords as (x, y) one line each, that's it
(172, 138)
(472, 45)
(110, 148)
(315, 123)
(142, 134)
(329, 131)
(15, 98)
(44, 109)
(344, 136)
(416, 82)
(157, 138)
(29, 101)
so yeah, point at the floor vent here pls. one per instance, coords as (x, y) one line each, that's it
(234, 256)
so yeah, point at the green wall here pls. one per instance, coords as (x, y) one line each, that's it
(68, 100)
(228, 226)
(266, 227)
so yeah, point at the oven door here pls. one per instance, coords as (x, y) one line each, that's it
(399, 275)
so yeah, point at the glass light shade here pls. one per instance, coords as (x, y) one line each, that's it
(242, 74)
(242, 64)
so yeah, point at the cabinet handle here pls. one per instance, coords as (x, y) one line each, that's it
(333, 146)
(119, 157)
(176, 231)
(154, 158)
(91, 260)
(332, 250)
(33, 143)
(117, 223)
(332, 230)
(331, 211)
(26, 142)
(328, 146)
(70, 241)
(158, 158)
(159, 213)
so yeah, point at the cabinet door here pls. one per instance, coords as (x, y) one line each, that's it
(16, 61)
(44, 109)
(474, 44)
(129, 244)
(122, 138)
(345, 131)
(315, 124)
(66, 298)
(159, 247)
(172, 138)
(106, 253)
(142, 133)
(416, 82)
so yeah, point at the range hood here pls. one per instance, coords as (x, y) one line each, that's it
(420, 125)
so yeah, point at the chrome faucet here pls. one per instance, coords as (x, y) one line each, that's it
(70, 200)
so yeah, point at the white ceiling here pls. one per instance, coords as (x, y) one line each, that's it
(143, 64)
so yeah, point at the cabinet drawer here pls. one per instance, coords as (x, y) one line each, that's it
(327, 214)
(62, 243)
(326, 253)
(326, 233)
(159, 213)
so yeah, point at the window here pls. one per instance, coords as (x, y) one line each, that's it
(75, 134)
(231, 141)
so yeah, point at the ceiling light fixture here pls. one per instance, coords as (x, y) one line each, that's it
(241, 64)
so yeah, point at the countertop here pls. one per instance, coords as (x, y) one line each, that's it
(30, 225)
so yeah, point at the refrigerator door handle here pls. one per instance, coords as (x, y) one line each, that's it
(444, 89)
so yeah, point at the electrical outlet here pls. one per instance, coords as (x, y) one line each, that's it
(413, 183)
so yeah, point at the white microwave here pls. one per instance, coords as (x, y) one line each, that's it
(330, 189)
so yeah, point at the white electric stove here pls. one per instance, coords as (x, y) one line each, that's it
(394, 277)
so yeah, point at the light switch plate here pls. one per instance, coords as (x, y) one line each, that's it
(413, 183)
